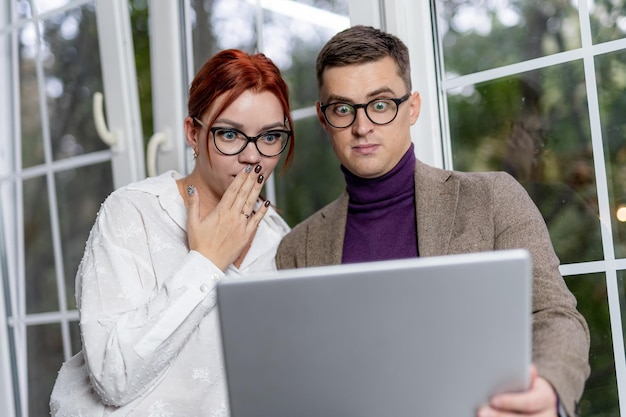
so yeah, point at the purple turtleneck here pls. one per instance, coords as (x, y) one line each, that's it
(381, 214)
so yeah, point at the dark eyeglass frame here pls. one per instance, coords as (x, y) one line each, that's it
(364, 106)
(249, 139)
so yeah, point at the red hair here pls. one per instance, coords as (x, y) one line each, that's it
(232, 72)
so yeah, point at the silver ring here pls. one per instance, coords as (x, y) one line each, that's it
(245, 214)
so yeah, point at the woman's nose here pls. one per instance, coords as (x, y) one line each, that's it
(250, 154)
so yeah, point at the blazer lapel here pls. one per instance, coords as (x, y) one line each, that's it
(325, 235)
(436, 198)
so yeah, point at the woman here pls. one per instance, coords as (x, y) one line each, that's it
(146, 284)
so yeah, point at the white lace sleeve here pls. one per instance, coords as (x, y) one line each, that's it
(135, 318)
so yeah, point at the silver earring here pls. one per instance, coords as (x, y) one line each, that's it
(195, 154)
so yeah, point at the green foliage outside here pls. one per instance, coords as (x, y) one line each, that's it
(536, 125)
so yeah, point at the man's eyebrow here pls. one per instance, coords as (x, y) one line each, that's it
(334, 98)
(382, 90)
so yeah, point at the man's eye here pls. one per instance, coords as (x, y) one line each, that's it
(380, 106)
(343, 109)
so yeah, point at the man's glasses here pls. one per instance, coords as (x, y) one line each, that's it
(380, 111)
(231, 141)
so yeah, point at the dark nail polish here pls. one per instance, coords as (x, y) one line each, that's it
(257, 169)
(260, 180)
(267, 203)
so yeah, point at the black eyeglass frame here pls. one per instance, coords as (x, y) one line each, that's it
(364, 106)
(249, 139)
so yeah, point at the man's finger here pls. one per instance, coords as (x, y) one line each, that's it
(540, 397)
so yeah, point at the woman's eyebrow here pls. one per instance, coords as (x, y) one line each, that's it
(240, 126)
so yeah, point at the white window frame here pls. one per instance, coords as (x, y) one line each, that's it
(120, 85)
(6, 119)
(412, 22)
(127, 160)
(166, 148)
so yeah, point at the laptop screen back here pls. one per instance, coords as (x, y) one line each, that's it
(427, 336)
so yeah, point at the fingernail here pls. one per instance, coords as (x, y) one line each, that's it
(267, 203)
(191, 190)
(248, 169)
(257, 169)
(260, 180)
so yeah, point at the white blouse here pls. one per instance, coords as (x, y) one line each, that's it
(148, 320)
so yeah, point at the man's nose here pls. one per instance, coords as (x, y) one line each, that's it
(362, 124)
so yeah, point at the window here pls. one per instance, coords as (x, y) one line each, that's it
(545, 105)
(55, 171)
(290, 33)
(56, 168)
(535, 88)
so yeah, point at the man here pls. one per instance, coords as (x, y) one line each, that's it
(397, 207)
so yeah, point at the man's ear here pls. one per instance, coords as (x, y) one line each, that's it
(320, 115)
(415, 105)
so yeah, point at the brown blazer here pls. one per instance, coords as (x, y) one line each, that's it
(471, 212)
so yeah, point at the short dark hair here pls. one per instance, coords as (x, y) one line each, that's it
(361, 44)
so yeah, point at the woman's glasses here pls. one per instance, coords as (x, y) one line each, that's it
(231, 141)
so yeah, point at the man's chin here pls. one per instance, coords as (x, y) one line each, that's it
(367, 172)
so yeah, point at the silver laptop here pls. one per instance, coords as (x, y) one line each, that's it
(417, 337)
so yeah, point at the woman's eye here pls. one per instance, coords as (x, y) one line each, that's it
(227, 134)
(271, 137)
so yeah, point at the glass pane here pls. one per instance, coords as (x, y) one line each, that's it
(32, 142)
(23, 9)
(221, 24)
(80, 192)
(76, 340)
(45, 355)
(608, 20)
(9, 142)
(536, 127)
(314, 179)
(140, 26)
(72, 76)
(621, 285)
(293, 44)
(44, 6)
(522, 29)
(292, 36)
(611, 70)
(600, 396)
(41, 288)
